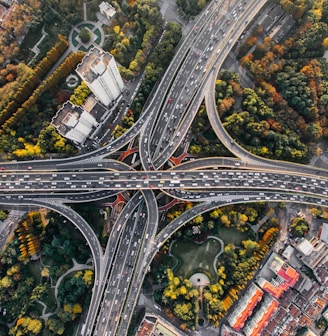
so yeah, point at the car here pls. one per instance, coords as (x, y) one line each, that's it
(3, 168)
(29, 168)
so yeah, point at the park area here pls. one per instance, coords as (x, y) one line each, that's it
(231, 235)
(195, 257)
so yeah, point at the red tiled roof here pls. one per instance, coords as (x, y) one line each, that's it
(273, 290)
(294, 311)
(248, 309)
(304, 320)
(265, 318)
(289, 275)
(271, 326)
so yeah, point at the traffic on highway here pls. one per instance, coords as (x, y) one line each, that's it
(161, 129)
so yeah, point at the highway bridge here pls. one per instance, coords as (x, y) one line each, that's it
(160, 131)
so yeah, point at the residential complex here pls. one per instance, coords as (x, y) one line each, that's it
(283, 298)
(99, 71)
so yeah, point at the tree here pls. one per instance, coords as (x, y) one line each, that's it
(250, 247)
(225, 220)
(3, 215)
(198, 219)
(229, 251)
(26, 326)
(184, 311)
(56, 325)
(299, 227)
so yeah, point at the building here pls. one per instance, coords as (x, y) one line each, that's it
(107, 9)
(305, 247)
(74, 122)
(245, 306)
(286, 277)
(311, 252)
(324, 233)
(153, 325)
(99, 71)
(262, 317)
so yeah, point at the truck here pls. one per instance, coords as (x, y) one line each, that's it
(83, 329)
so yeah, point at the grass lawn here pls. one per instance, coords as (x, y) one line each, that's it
(195, 257)
(47, 261)
(36, 309)
(92, 9)
(34, 267)
(50, 300)
(231, 235)
(74, 40)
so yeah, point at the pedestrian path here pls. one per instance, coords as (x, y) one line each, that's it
(35, 48)
(76, 267)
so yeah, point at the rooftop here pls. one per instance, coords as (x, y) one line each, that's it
(93, 64)
(324, 233)
(312, 256)
(245, 306)
(107, 9)
(262, 317)
(153, 325)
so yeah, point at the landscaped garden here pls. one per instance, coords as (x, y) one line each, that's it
(45, 280)
(228, 262)
(193, 257)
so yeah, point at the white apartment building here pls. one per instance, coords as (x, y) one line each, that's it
(74, 122)
(99, 71)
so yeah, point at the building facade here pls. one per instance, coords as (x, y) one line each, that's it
(74, 122)
(99, 71)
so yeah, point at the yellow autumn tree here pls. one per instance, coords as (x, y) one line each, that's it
(88, 277)
(325, 43)
(45, 272)
(77, 308)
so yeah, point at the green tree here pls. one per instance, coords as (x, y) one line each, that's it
(3, 215)
(85, 35)
(299, 227)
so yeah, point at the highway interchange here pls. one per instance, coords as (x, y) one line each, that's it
(162, 128)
